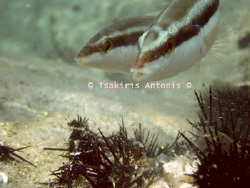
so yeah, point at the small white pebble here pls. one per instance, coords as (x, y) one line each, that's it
(3, 177)
(46, 113)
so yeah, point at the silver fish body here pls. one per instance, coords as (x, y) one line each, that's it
(115, 48)
(180, 36)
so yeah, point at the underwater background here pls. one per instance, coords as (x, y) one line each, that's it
(42, 87)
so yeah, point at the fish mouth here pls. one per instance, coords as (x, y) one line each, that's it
(93, 60)
(79, 55)
(85, 56)
(82, 60)
(142, 74)
(142, 71)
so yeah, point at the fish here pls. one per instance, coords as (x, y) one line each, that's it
(154, 48)
(114, 48)
(180, 36)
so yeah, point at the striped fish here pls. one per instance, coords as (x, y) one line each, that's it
(158, 47)
(181, 35)
(115, 47)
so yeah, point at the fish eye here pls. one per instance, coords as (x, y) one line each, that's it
(107, 46)
(169, 46)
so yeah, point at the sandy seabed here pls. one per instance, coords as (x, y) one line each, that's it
(38, 97)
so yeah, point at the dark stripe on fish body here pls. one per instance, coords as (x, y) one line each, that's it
(175, 11)
(197, 23)
(126, 40)
(123, 39)
(122, 26)
(185, 33)
(118, 41)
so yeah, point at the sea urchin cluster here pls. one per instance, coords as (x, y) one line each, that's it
(100, 161)
(224, 124)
